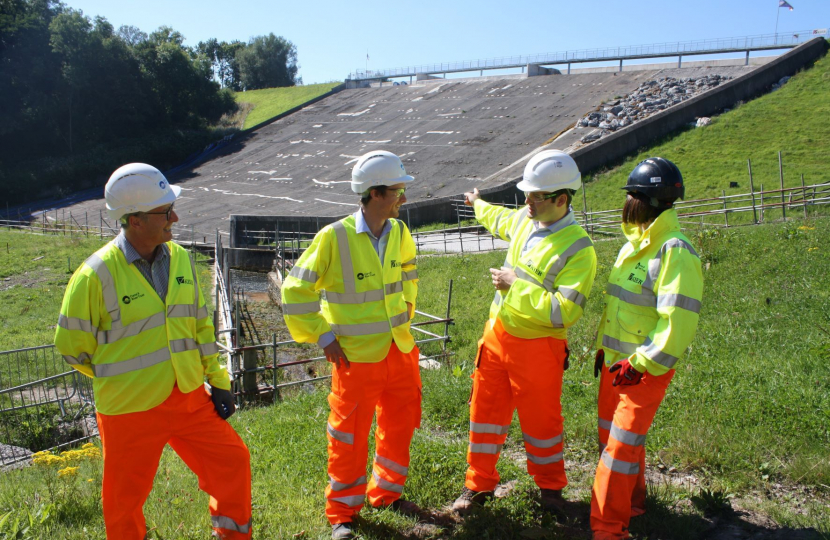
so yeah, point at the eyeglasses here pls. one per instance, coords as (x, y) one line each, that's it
(167, 213)
(535, 196)
(398, 192)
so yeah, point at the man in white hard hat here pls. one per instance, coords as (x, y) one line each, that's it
(134, 319)
(353, 293)
(541, 290)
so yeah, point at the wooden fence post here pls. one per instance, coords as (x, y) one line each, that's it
(752, 191)
(781, 177)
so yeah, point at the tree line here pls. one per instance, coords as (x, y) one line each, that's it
(79, 97)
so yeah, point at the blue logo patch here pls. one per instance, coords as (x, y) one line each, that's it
(161, 184)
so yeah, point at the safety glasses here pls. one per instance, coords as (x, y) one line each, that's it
(166, 213)
(397, 192)
(538, 197)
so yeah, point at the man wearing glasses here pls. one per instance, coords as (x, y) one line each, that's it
(133, 319)
(540, 291)
(353, 293)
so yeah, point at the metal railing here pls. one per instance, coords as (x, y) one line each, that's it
(780, 40)
(44, 404)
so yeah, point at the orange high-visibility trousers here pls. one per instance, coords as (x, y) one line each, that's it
(392, 388)
(207, 444)
(625, 414)
(524, 374)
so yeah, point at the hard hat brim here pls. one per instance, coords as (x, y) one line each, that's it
(524, 185)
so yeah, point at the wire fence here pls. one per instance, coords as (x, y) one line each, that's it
(44, 404)
(655, 50)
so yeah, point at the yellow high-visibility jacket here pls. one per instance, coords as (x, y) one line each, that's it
(340, 285)
(114, 328)
(554, 277)
(653, 297)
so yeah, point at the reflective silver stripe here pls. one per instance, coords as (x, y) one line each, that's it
(341, 436)
(619, 466)
(375, 295)
(655, 264)
(304, 274)
(345, 257)
(521, 274)
(495, 429)
(80, 360)
(409, 276)
(678, 300)
(351, 500)
(133, 364)
(519, 222)
(195, 285)
(301, 308)
(556, 313)
(407, 263)
(547, 460)
(107, 288)
(181, 310)
(485, 448)
(560, 263)
(617, 345)
(497, 299)
(208, 349)
(339, 486)
(542, 443)
(646, 299)
(507, 264)
(604, 424)
(182, 345)
(573, 295)
(74, 323)
(202, 313)
(360, 329)
(132, 329)
(650, 350)
(399, 319)
(224, 522)
(395, 287)
(391, 465)
(383, 483)
(627, 437)
(496, 224)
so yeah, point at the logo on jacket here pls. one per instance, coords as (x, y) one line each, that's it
(127, 298)
(535, 269)
(182, 281)
(362, 275)
(395, 263)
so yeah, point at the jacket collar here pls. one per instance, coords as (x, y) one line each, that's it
(665, 223)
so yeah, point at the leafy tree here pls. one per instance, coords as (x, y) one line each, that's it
(267, 62)
(131, 35)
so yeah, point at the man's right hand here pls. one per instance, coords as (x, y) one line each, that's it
(471, 197)
(335, 354)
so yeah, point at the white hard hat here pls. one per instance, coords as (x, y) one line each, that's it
(550, 170)
(137, 187)
(378, 168)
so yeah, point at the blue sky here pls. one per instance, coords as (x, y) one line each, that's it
(333, 36)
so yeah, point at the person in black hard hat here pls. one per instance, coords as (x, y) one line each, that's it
(652, 302)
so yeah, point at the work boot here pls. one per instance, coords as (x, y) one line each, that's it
(407, 508)
(553, 502)
(342, 531)
(463, 505)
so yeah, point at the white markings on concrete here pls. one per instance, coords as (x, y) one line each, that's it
(378, 142)
(442, 132)
(357, 132)
(261, 196)
(437, 88)
(269, 173)
(317, 125)
(331, 182)
(300, 141)
(279, 179)
(364, 111)
(419, 98)
(450, 114)
(340, 203)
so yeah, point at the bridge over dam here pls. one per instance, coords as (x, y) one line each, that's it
(453, 135)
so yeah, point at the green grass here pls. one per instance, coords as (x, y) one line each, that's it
(748, 414)
(271, 102)
(792, 120)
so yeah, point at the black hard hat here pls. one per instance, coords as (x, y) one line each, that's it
(658, 179)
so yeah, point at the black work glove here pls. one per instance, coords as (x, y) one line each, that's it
(223, 402)
(600, 359)
(567, 364)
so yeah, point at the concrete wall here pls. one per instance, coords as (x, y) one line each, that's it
(723, 62)
(257, 260)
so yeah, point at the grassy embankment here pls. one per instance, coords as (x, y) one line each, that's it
(746, 417)
(270, 102)
(792, 120)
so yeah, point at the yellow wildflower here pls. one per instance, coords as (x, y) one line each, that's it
(48, 460)
(90, 479)
(68, 471)
(812, 249)
(806, 228)
(88, 445)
